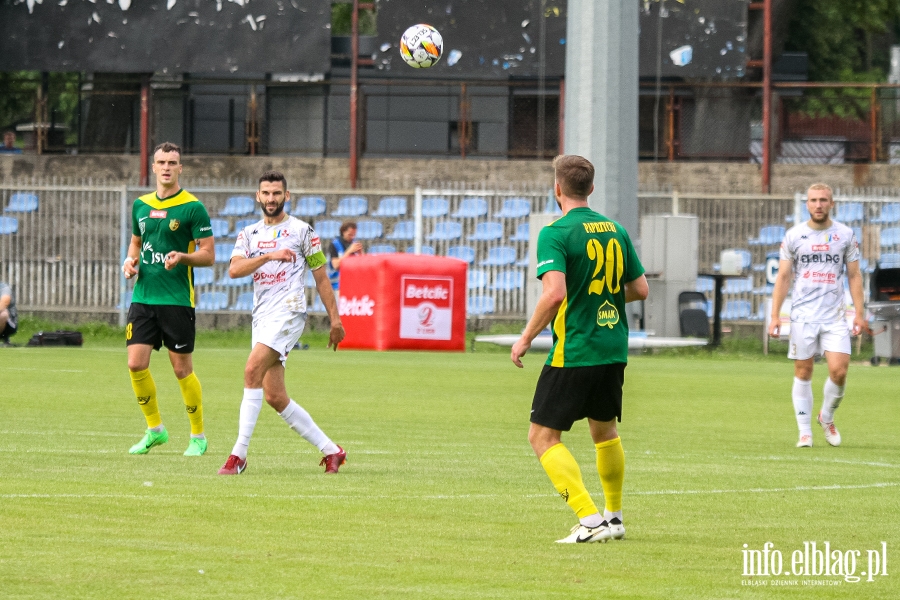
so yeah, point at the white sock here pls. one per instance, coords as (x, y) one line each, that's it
(302, 423)
(831, 399)
(250, 407)
(803, 405)
(609, 515)
(591, 521)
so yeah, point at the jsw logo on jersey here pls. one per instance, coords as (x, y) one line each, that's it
(356, 307)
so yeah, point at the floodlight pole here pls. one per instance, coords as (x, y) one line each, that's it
(354, 94)
(145, 130)
(767, 98)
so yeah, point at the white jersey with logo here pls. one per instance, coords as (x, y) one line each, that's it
(278, 287)
(819, 259)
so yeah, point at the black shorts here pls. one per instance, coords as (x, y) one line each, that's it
(158, 324)
(568, 394)
(8, 330)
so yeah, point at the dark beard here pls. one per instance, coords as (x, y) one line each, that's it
(277, 211)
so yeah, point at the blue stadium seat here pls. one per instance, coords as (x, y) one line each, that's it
(477, 279)
(220, 227)
(243, 223)
(891, 260)
(487, 231)
(737, 309)
(768, 236)
(551, 207)
(351, 206)
(890, 237)
(213, 301)
(508, 280)
(705, 284)
(464, 253)
(403, 230)
(480, 305)
(521, 234)
(890, 214)
(499, 256)
(445, 230)
(309, 280)
(243, 302)
(514, 208)
(435, 207)
(382, 249)
(23, 202)
(522, 262)
(8, 225)
(369, 230)
(391, 206)
(226, 281)
(238, 206)
(849, 212)
(327, 229)
(204, 276)
(223, 252)
(738, 286)
(471, 208)
(425, 250)
(309, 206)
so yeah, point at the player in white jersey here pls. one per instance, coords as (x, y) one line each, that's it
(814, 258)
(277, 250)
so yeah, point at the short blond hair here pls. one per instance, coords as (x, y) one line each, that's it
(821, 187)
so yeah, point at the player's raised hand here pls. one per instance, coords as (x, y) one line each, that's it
(283, 255)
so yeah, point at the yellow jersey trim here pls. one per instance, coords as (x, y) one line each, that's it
(559, 327)
(182, 197)
(191, 247)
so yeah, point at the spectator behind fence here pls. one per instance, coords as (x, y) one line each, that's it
(9, 143)
(8, 316)
(341, 247)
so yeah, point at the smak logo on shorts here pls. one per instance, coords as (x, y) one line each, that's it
(426, 307)
(821, 248)
(266, 245)
(158, 214)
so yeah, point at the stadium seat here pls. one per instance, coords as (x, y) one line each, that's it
(487, 231)
(309, 206)
(464, 253)
(890, 237)
(768, 236)
(514, 208)
(425, 250)
(327, 229)
(223, 252)
(693, 309)
(522, 262)
(369, 230)
(220, 227)
(391, 206)
(890, 214)
(435, 207)
(243, 223)
(521, 234)
(445, 230)
(508, 280)
(403, 230)
(204, 276)
(551, 207)
(309, 280)
(480, 305)
(243, 302)
(737, 309)
(849, 212)
(738, 286)
(238, 206)
(213, 301)
(351, 206)
(23, 202)
(477, 279)
(382, 249)
(499, 256)
(226, 281)
(763, 290)
(471, 208)
(890, 260)
(705, 284)
(8, 225)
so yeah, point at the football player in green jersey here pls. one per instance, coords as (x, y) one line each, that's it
(171, 234)
(589, 270)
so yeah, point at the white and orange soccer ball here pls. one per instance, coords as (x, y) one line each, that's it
(421, 46)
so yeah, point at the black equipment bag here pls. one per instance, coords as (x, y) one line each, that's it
(56, 338)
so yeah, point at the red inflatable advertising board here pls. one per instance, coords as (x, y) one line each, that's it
(403, 302)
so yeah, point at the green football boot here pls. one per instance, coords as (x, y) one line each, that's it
(197, 447)
(151, 438)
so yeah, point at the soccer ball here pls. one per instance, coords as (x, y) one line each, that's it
(421, 46)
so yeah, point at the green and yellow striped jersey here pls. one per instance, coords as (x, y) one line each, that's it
(597, 257)
(173, 223)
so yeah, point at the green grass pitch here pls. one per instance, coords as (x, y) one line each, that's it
(442, 496)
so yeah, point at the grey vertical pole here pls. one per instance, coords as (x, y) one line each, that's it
(417, 244)
(124, 238)
(601, 104)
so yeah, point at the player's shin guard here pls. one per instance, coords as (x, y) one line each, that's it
(565, 475)
(192, 394)
(802, 396)
(145, 391)
(302, 423)
(831, 399)
(250, 407)
(611, 467)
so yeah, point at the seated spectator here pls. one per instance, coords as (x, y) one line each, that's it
(8, 314)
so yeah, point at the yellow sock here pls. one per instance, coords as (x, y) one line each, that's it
(145, 390)
(193, 401)
(565, 475)
(611, 467)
